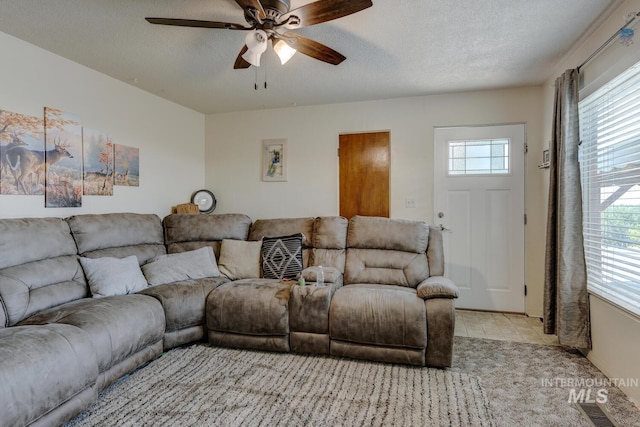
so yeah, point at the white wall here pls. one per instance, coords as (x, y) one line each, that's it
(614, 332)
(170, 137)
(233, 157)
(616, 346)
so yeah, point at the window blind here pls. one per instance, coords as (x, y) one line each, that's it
(610, 173)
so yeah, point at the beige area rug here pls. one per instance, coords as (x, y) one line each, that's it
(209, 386)
(530, 385)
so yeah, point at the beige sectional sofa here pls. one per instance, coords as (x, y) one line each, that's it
(385, 299)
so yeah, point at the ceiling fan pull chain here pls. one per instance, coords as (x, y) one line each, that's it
(265, 75)
(255, 83)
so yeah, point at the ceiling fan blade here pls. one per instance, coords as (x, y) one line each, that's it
(244, 4)
(326, 10)
(196, 23)
(240, 62)
(313, 49)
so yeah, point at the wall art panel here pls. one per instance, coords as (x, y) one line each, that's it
(63, 159)
(22, 160)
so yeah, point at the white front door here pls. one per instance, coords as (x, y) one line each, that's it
(479, 199)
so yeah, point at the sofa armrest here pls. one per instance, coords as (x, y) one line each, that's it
(331, 275)
(4, 317)
(437, 287)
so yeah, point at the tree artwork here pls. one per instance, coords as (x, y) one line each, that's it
(98, 163)
(21, 154)
(127, 166)
(16, 123)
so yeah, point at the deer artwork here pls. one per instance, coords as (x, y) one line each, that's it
(123, 178)
(25, 163)
(5, 151)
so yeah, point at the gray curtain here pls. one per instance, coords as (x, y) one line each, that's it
(566, 302)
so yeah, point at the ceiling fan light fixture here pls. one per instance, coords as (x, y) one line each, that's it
(252, 57)
(256, 45)
(266, 17)
(284, 51)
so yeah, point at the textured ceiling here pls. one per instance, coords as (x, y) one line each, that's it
(396, 48)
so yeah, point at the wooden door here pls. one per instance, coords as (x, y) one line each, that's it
(364, 174)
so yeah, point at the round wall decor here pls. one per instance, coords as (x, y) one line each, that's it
(205, 200)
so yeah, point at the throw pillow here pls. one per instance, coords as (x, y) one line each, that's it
(170, 268)
(113, 276)
(240, 259)
(282, 257)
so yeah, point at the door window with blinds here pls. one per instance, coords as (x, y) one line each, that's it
(478, 157)
(610, 172)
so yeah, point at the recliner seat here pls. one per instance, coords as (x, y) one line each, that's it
(382, 312)
(254, 313)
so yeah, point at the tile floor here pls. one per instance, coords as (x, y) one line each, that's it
(501, 326)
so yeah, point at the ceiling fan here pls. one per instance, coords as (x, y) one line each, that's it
(270, 20)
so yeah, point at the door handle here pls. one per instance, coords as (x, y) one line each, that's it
(442, 227)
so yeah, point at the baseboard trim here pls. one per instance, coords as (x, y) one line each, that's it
(597, 415)
(493, 311)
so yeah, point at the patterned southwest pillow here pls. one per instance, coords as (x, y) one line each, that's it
(282, 257)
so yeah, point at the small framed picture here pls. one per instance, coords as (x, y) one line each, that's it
(545, 157)
(274, 160)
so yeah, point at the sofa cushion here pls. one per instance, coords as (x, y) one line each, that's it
(252, 307)
(384, 233)
(42, 368)
(330, 232)
(30, 288)
(118, 326)
(118, 235)
(26, 240)
(196, 264)
(329, 242)
(385, 267)
(262, 228)
(282, 257)
(335, 258)
(189, 232)
(113, 276)
(39, 268)
(184, 301)
(240, 259)
(378, 315)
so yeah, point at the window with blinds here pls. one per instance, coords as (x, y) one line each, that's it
(610, 172)
(481, 157)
